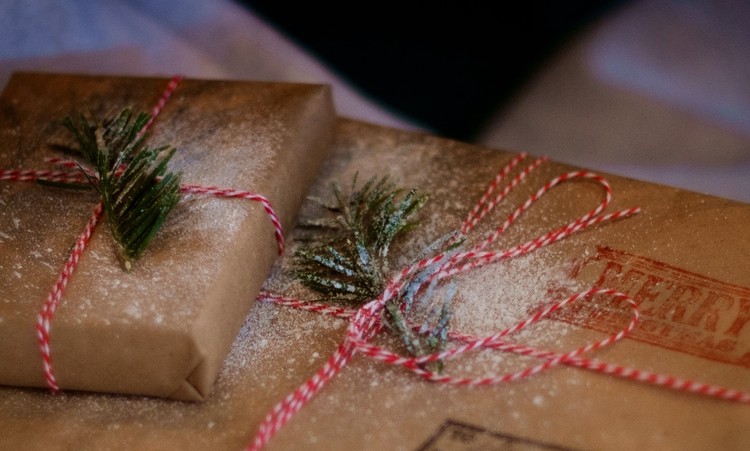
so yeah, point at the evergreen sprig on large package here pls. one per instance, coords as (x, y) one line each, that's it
(137, 191)
(348, 260)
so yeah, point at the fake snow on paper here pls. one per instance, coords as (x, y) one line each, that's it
(499, 296)
(268, 330)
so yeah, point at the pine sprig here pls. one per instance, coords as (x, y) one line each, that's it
(348, 262)
(132, 179)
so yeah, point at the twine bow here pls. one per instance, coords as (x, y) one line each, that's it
(47, 312)
(365, 323)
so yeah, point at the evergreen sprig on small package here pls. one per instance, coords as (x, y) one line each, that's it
(132, 178)
(347, 261)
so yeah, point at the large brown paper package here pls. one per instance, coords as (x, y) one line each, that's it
(164, 328)
(684, 258)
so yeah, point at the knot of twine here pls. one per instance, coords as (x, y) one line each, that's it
(366, 322)
(47, 311)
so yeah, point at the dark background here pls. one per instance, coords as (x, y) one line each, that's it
(447, 67)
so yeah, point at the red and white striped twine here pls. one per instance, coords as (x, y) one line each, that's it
(171, 86)
(238, 194)
(47, 312)
(365, 323)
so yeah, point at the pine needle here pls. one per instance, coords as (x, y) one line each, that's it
(132, 179)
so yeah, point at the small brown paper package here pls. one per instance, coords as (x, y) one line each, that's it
(164, 328)
(683, 258)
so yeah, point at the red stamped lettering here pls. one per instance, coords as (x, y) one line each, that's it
(680, 310)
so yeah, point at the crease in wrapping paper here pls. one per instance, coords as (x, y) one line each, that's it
(164, 328)
(372, 406)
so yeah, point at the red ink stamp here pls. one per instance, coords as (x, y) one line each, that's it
(680, 310)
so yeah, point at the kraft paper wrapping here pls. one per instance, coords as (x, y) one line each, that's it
(165, 328)
(684, 258)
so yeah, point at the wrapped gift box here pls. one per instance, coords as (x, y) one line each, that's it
(164, 328)
(684, 258)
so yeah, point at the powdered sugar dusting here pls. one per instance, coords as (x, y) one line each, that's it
(493, 298)
(270, 330)
(199, 227)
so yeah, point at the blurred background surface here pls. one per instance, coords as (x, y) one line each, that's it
(656, 90)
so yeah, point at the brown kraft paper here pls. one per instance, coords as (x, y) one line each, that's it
(683, 258)
(164, 328)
